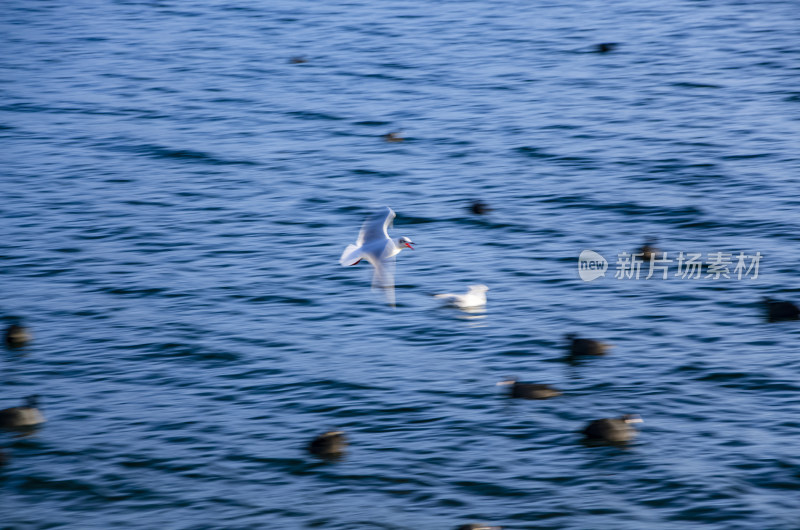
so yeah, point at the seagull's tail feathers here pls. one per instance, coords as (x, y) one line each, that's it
(350, 256)
(449, 297)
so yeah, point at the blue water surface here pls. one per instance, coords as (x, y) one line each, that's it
(177, 191)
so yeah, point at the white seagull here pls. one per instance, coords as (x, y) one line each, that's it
(475, 297)
(375, 245)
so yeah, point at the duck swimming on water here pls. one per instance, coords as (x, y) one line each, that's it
(16, 335)
(22, 417)
(393, 137)
(778, 310)
(605, 47)
(479, 208)
(649, 250)
(581, 347)
(330, 444)
(530, 390)
(613, 430)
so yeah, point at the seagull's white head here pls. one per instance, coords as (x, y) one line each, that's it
(403, 242)
(480, 288)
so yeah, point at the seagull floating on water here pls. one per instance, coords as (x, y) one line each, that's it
(475, 297)
(375, 245)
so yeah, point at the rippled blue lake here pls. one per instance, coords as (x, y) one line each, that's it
(180, 178)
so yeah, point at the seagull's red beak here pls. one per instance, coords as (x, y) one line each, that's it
(409, 246)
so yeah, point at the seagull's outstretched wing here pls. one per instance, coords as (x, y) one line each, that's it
(376, 227)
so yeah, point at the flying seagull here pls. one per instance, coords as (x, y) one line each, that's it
(375, 245)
